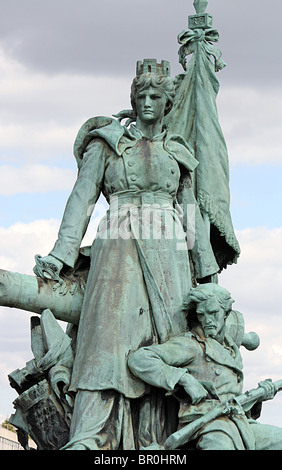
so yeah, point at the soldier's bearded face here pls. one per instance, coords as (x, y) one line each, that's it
(211, 317)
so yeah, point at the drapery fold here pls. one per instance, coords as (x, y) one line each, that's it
(194, 116)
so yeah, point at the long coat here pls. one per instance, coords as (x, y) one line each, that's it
(136, 283)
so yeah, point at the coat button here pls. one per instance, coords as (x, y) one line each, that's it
(128, 151)
(130, 163)
(133, 178)
(217, 371)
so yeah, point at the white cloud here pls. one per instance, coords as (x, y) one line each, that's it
(251, 120)
(255, 284)
(20, 242)
(31, 143)
(255, 281)
(28, 95)
(41, 114)
(34, 178)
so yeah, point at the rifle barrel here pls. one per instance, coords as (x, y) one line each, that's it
(183, 435)
(256, 394)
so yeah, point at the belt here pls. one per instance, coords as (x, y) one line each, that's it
(140, 199)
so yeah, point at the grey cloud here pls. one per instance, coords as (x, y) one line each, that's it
(88, 36)
(108, 37)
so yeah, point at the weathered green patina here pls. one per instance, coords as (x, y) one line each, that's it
(167, 234)
(207, 364)
(136, 282)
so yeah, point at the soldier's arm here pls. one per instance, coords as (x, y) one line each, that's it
(162, 366)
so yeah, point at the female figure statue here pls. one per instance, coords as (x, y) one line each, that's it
(140, 268)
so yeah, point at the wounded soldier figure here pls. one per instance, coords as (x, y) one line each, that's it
(202, 368)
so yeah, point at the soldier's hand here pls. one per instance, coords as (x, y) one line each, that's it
(193, 388)
(269, 389)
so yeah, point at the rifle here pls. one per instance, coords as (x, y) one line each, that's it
(246, 401)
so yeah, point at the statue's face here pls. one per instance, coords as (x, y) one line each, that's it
(151, 105)
(211, 317)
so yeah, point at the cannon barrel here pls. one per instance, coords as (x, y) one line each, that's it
(33, 294)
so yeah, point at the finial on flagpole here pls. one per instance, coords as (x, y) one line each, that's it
(201, 20)
(200, 6)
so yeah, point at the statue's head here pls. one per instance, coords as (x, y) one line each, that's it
(209, 305)
(156, 77)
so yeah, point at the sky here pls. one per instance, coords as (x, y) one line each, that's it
(64, 61)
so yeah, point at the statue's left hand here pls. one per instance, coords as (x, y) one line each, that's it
(48, 267)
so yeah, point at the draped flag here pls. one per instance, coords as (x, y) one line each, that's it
(195, 117)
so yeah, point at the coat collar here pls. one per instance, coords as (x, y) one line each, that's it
(174, 144)
(119, 138)
(226, 354)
